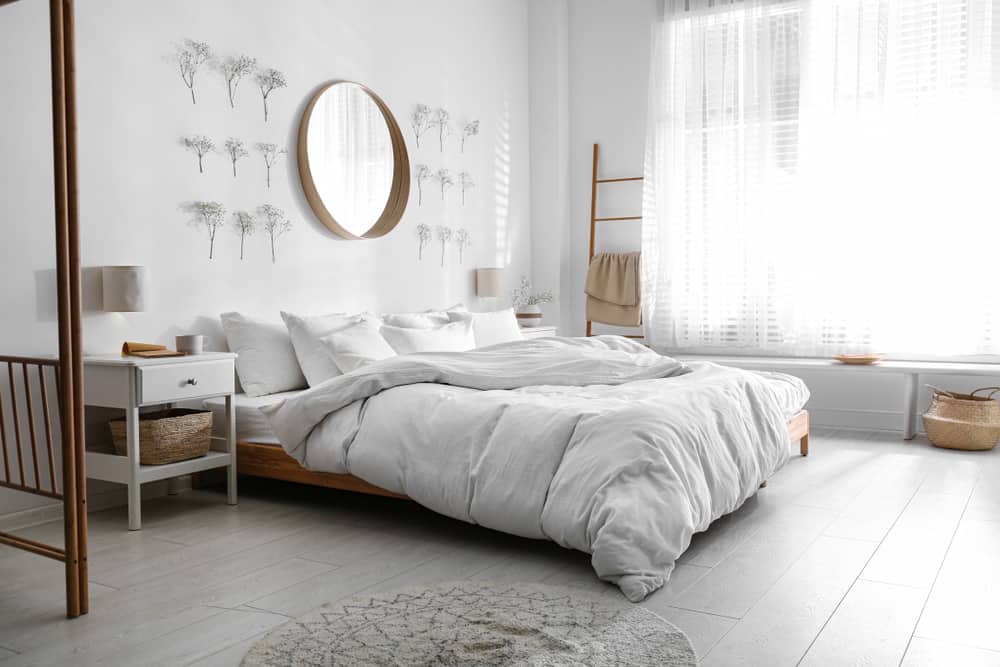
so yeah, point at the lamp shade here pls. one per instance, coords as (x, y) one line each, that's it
(124, 288)
(488, 282)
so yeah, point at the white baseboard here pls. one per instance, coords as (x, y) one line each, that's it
(858, 420)
(96, 502)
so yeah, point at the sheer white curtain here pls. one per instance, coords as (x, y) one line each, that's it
(820, 177)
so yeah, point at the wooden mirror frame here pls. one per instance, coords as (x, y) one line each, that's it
(399, 193)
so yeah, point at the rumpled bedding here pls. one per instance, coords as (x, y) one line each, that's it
(599, 444)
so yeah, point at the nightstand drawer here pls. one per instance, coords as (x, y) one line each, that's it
(177, 382)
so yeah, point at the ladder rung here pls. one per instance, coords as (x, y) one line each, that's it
(627, 217)
(619, 180)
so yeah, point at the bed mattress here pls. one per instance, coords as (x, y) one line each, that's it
(251, 424)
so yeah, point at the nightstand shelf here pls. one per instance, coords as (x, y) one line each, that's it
(114, 468)
(130, 383)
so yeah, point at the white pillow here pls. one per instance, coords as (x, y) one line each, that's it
(416, 320)
(454, 337)
(357, 345)
(306, 331)
(266, 362)
(429, 319)
(492, 328)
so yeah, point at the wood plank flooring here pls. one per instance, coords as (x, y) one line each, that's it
(870, 551)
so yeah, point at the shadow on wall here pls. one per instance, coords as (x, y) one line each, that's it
(46, 293)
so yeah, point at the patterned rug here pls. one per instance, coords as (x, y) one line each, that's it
(472, 623)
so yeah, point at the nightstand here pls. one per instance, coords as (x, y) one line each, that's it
(538, 332)
(130, 383)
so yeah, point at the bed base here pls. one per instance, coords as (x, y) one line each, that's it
(272, 462)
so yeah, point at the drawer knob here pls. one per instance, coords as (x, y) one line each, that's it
(191, 381)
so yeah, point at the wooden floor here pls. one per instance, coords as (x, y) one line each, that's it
(870, 551)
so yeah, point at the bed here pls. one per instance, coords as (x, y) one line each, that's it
(259, 454)
(598, 444)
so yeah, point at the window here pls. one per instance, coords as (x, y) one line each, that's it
(819, 178)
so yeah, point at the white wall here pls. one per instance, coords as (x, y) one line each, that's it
(609, 55)
(470, 58)
(552, 261)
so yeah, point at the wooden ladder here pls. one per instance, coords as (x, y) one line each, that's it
(595, 181)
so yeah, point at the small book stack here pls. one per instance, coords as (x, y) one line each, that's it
(148, 350)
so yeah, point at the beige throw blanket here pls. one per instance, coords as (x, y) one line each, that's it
(613, 289)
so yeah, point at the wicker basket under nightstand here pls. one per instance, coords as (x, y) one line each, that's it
(167, 436)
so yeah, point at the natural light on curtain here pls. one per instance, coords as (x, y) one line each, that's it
(822, 177)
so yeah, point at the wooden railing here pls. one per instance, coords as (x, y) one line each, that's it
(22, 434)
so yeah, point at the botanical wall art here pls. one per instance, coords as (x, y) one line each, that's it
(462, 241)
(423, 238)
(445, 180)
(466, 182)
(235, 150)
(421, 173)
(444, 236)
(233, 69)
(271, 154)
(442, 121)
(274, 223)
(269, 80)
(245, 225)
(470, 129)
(210, 215)
(420, 121)
(191, 56)
(201, 146)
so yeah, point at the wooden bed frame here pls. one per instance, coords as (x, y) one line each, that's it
(272, 462)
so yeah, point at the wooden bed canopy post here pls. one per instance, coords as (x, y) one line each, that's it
(71, 329)
(68, 282)
(68, 370)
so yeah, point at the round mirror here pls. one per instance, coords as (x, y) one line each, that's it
(353, 161)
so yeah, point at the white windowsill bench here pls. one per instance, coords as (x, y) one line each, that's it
(910, 370)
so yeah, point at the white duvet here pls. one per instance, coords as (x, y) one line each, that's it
(599, 444)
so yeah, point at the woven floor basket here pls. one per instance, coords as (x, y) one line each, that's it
(167, 436)
(963, 421)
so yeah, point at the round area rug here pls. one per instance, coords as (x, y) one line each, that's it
(472, 623)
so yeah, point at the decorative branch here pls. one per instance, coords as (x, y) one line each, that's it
(211, 215)
(424, 235)
(522, 296)
(245, 225)
(444, 236)
(422, 173)
(442, 121)
(236, 150)
(269, 80)
(201, 146)
(470, 129)
(191, 55)
(420, 121)
(234, 68)
(466, 182)
(274, 223)
(462, 240)
(271, 154)
(443, 177)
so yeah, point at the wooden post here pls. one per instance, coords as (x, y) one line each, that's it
(593, 216)
(63, 270)
(76, 301)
